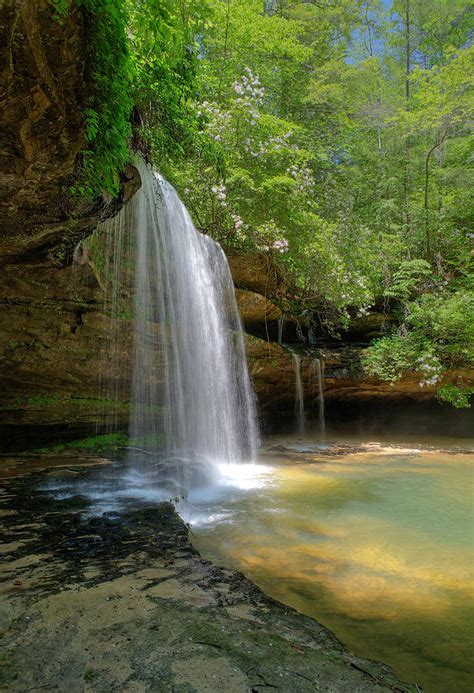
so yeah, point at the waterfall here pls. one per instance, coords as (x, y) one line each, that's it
(317, 366)
(190, 388)
(299, 395)
(281, 324)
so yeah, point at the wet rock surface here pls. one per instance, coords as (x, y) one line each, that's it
(351, 397)
(54, 326)
(124, 602)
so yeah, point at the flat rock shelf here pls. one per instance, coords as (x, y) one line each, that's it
(123, 601)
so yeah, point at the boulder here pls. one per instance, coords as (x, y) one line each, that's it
(255, 272)
(369, 326)
(256, 311)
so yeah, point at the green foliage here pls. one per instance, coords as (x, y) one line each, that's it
(97, 444)
(390, 357)
(437, 334)
(456, 396)
(107, 126)
(321, 135)
(407, 279)
(164, 59)
(447, 321)
(60, 10)
(316, 147)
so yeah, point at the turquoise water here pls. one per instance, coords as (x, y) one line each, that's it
(375, 544)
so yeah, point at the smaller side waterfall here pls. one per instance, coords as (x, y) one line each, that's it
(317, 366)
(299, 396)
(281, 325)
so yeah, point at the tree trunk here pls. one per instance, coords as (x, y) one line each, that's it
(438, 143)
(406, 172)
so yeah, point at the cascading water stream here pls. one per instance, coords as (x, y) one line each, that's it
(299, 396)
(317, 366)
(281, 325)
(190, 392)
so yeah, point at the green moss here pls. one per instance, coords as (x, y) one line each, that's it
(60, 10)
(82, 402)
(103, 443)
(108, 442)
(90, 675)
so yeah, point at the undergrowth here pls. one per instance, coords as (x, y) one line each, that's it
(107, 442)
(107, 116)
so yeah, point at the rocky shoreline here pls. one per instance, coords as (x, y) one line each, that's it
(125, 602)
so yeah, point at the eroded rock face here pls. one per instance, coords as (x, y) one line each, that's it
(350, 395)
(54, 325)
(369, 326)
(44, 86)
(54, 337)
(43, 94)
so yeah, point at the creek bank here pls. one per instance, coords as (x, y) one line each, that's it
(125, 602)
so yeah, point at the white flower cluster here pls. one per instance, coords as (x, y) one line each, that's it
(280, 246)
(250, 94)
(217, 120)
(278, 142)
(273, 144)
(238, 222)
(430, 368)
(255, 149)
(348, 287)
(221, 193)
(302, 176)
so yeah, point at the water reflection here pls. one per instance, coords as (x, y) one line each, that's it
(375, 544)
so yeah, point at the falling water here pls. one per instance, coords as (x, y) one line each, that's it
(189, 354)
(281, 324)
(299, 395)
(317, 366)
